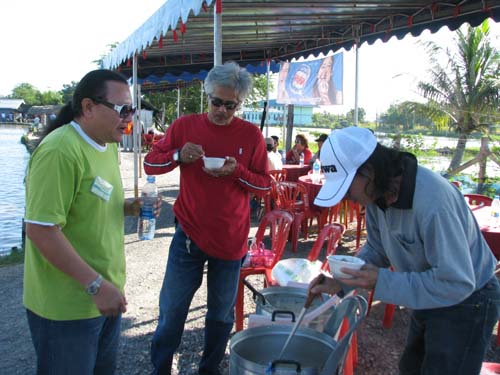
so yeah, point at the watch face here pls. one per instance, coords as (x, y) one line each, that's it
(94, 286)
(177, 156)
(92, 289)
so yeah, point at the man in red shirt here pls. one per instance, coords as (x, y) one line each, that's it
(212, 211)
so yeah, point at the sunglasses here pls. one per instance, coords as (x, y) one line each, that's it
(123, 111)
(217, 102)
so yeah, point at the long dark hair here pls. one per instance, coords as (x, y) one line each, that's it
(384, 164)
(92, 85)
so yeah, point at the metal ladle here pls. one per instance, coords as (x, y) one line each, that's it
(307, 304)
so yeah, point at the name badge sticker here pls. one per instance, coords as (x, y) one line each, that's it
(102, 188)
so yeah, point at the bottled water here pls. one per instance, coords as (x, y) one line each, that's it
(495, 211)
(147, 221)
(316, 175)
(301, 159)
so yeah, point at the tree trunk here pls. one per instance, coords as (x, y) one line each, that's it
(484, 151)
(459, 152)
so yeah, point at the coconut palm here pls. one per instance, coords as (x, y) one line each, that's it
(465, 91)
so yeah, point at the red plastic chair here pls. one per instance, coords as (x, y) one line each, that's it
(277, 175)
(293, 197)
(344, 211)
(388, 312)
(331, 234)
(478, 200)
(360, 220)
(279, 223)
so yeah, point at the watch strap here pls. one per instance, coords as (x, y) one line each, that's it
(93, 287)
(177, 156)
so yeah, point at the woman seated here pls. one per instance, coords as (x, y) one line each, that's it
(301, 146)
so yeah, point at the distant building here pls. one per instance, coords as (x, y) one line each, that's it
(302, 114)
(43, 112)
(11, 110)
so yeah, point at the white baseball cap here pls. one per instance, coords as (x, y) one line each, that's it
(344, 151)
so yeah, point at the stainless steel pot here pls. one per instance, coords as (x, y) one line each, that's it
(288, 299)
(255, 351)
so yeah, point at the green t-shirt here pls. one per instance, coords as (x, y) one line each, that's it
(61, 189)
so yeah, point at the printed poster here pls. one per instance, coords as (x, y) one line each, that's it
(316, 82)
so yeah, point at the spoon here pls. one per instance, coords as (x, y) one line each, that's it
(307, 304)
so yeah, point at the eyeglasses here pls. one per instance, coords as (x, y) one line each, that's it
(123, 111)
(298, 141)
(217, 102)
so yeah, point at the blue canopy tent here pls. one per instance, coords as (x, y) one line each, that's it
(182, 36)
(189, 36)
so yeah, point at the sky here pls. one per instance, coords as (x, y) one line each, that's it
(54, 42)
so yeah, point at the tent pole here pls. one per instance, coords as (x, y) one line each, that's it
(178, 102)
(201, 97)
(136, 129)
(218, 33)
(139, 137)
(268, 65)
(356, 79)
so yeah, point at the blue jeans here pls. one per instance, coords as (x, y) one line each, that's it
(452, 340)
(183, 277)
(79, 347)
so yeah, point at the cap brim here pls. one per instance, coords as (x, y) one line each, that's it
(333, 191)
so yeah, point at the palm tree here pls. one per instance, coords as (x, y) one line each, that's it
(465, 91)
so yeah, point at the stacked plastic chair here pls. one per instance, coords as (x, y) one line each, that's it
(279, 223)
(293, 197)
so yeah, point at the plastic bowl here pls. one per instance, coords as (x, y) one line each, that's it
(213, 163)
(336, 262)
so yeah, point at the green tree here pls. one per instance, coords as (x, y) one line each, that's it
(30, 94)
(259, 91)
(361, 115)
(465, 90)
(51, 98)
(407, 115)
(325, 120)
(166, 99)
(67, 91)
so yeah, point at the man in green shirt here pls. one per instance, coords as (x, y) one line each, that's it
(75, 264)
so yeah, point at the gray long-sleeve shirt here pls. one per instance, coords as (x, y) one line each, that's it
(431, 239)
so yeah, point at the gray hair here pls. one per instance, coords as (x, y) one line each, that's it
(229, 75)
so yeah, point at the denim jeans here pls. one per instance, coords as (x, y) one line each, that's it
(183, 277)
(452, 340)
(79, 347)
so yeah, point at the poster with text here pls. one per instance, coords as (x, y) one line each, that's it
(315, 82)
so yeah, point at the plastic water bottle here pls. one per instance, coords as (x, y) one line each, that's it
(495, 211)
(301, 159)
(147, 221)
(316, 175)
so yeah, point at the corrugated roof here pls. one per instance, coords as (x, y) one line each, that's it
(179, 37)
(11, 103)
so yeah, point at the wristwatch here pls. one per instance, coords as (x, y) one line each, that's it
(177, 156)
(93, 287)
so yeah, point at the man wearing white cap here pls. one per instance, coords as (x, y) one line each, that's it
(418, 223)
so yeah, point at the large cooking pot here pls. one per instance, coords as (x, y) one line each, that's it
(255, 351)
(288, 299)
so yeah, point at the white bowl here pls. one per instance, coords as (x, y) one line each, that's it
(336, 262)
(213, 163)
